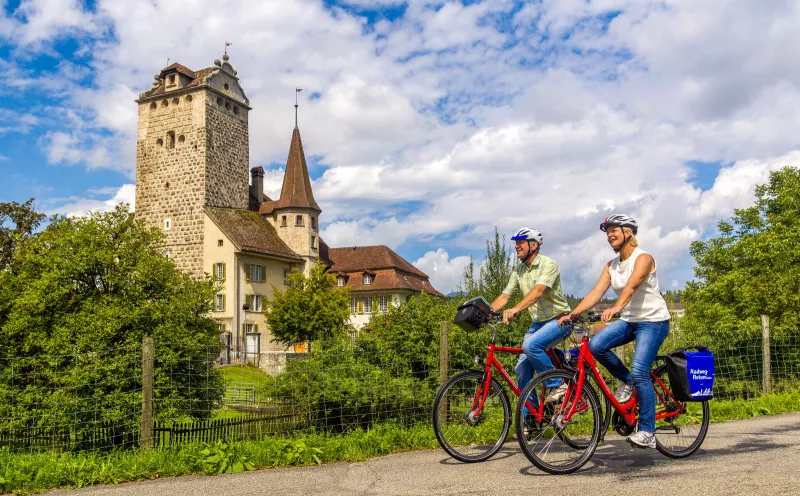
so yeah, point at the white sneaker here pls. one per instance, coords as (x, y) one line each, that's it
(642, 439)
(556, 394)
(624, 393)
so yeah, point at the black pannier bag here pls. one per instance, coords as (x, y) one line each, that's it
(691, 373)
(472, 314)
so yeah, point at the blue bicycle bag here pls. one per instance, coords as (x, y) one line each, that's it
(691, 373)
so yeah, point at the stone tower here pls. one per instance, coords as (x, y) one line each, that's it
(192, 151)
(295, 215)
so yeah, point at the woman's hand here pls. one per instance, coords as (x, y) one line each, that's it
(509, 315)
(609, 314)
(563, 319)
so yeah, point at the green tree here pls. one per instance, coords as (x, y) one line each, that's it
(83, 294)
(495, 272)
(753, 266)
(17, 223)
(310, 309)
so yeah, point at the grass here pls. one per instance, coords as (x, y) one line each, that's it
(26, 473)
(248, 374)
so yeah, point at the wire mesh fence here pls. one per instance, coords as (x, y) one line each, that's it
(94, 401)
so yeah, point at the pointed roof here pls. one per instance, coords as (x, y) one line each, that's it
(296, 190)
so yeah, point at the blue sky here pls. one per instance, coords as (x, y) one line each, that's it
(428, 123)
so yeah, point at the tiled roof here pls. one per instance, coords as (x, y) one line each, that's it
(250, 232)
(296, 190)
(359, 258)
(388, 279)
(196, 78)
(324, 253)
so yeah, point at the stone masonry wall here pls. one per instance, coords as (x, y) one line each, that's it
(298, 238)
(169, 185)
(227, 153)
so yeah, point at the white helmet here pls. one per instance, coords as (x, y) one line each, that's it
(529, 234)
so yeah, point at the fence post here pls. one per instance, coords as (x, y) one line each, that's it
(146, 430)
(444, 348)
(767, 369)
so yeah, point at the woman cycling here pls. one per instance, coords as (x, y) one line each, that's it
(644, 318)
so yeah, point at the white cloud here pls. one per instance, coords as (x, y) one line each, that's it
(445, 273)
(76, 207)
(438, 123)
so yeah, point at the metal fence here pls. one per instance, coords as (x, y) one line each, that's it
(166, 394)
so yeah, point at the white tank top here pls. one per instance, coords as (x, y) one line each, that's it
(647, 304)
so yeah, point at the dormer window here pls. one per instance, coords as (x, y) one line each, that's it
(340, 281)
(171, 79)
(367, 279)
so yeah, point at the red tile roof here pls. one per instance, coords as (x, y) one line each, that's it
(391, 270)
(250, 232)
(359, 258)
(296, 190)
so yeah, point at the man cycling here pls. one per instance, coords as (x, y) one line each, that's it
(539, 280)
(644, 318)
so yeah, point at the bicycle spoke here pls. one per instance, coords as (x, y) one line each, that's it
(558, 446)
(463, 432)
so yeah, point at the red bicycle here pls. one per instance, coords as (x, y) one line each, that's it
(471, 412)
(569, 430)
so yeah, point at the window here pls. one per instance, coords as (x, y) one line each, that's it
(254, 302)
(340, 281)
(219, 303)
(383, 303)
(255, 273)
(167, 255)
(313, 241)
(249, 328)
(367, 304)
(172, 79)
(298, 221)
(188, 98)
(313, 222)
(283, 220)
(353, 305)
(286, 277)
(367, 279)
(167, 224)
(171, 139)
(219, 271)
(176, 100)
(219, 242)
(226, 86)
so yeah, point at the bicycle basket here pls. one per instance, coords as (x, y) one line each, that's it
(691, 373)
(472, 314)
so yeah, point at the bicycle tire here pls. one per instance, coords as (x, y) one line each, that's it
(597, 419)
(458, 442)
(682, 440)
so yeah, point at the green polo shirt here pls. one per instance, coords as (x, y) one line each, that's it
(543, 270)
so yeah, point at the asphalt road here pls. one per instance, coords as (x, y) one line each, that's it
(756, 456)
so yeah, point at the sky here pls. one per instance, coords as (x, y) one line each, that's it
(428, 124)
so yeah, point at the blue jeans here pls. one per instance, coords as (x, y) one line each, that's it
(540, 337)
(648, 337)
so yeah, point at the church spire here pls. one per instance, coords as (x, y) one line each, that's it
(296, 190)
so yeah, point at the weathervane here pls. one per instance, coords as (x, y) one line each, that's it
(227, 44)
(296, 92)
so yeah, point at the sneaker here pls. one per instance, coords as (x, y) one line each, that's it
(624, 393)
(642, 439)
(556, 394)
(531, 426)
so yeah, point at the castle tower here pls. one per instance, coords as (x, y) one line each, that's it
(295, 215)
(192, 151)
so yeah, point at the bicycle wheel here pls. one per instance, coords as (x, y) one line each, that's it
(552, 446)
(681, 435)
(461, 433)
(605, 415)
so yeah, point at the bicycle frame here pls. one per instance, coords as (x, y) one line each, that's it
(491, 361)
(627, 410)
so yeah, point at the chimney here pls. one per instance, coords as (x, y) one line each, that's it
(256, 187)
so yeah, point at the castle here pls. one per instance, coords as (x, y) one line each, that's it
(192, 162)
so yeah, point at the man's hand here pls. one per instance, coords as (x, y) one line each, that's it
(509, 315)
(609, 314)
(563, 319)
